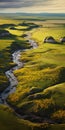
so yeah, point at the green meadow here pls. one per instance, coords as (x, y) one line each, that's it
(8, 44)
(40, 94)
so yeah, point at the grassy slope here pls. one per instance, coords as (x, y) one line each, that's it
(5, 61)
(44, 68)
(56, 32)
(9, 121)
(7, 46)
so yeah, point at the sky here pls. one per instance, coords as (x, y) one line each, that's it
(32, 6)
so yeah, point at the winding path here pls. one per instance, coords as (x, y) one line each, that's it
(10, 75)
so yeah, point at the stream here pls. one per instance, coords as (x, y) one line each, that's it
(14, 82)
(9, 73)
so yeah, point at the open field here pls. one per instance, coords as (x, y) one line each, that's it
(8, 44)
(40, 94)
(9, 121)
(44, 68)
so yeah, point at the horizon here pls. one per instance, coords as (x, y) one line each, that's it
(30, 13)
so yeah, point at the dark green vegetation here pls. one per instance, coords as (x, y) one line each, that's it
(9, 121)
(40, 94)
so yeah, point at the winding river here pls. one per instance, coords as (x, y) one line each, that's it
(9, 73)
(13, 80)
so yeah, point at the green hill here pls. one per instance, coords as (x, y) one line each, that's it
(39, 97)
(44, 68)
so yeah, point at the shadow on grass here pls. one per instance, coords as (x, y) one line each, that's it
(3, 26)
(6, 60)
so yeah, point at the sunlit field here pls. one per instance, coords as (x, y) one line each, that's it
(40, 93)
(8, 44)
(56, 31)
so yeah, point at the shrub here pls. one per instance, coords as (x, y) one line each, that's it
(59, 116)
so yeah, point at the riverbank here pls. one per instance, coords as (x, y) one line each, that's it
(10, 75)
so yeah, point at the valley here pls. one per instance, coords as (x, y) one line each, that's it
(39, 78)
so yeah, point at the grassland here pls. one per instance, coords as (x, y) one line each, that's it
(40, 93)
(37, 93)
(9, 121)
(9, 44)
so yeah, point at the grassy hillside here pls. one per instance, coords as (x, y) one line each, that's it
(39, 95)
(9, 121)
(9, 44)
